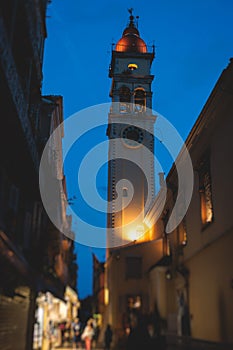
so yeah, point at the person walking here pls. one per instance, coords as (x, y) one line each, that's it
(88, 334)
(76, 328)
(67, 333)
(50, 334)
(108, 337)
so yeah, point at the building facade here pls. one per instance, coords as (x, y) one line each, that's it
(192, 284)
(34, 255)
(98, 286)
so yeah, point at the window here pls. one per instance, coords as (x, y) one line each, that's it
(139, 100)
(166, 245)
(133, 268)
(205, 190)
(182, 238)
(125, 98)
(166, 242)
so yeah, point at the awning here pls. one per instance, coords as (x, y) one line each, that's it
(39, 283)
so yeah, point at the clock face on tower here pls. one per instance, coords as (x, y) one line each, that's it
(132, 136)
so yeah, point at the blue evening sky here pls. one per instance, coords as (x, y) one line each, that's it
(193, 41)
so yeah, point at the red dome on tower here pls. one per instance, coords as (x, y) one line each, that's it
(131, 41)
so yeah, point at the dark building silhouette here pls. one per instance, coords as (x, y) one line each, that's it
(98, 285)
(34, 255)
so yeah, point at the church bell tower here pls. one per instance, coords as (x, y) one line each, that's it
(131, 141)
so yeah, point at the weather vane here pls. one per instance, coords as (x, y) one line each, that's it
(130, 11)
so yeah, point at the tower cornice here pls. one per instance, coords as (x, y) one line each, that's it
(133, 54)
(133, 78)
(130, 116)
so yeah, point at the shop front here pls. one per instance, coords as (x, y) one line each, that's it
(53, 319)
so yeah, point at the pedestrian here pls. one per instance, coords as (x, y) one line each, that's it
(50, 334)
(156, 341)
(67, 333)
(183, 317)
(76, 328)
(95, 331)
(152, 337)
(62, 331)
(108, 337)
(88, 334)
(138, 337)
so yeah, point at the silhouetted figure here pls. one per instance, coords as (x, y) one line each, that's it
(50, 333)
(76, 327)
(67, 332)
(183, 317)
(138, 337)
(156, 342)
(108, 337)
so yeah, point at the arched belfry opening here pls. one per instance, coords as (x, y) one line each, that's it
(139, 100)
(125, 99)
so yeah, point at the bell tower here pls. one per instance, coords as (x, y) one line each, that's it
(131, 141)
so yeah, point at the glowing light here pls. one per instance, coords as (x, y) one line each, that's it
(168, 275)
(184, 241)
(10, 253)
(132, 66)
(136, 233)
(106, 296)
(148, 223)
